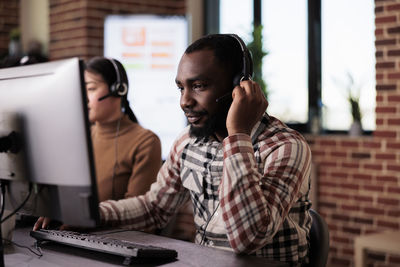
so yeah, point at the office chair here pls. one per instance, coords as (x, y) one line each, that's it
(319, 240)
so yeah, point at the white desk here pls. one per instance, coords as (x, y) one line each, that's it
(387, 242)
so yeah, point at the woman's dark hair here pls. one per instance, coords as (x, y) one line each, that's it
(104, 67)
(226, 49)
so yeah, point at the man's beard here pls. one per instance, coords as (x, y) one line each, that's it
(215, 123)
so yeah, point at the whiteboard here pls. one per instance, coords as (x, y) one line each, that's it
(150, 47)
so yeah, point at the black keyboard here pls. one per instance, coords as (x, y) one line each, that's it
(101, 243)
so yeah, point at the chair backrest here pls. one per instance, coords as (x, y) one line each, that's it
(319, 240)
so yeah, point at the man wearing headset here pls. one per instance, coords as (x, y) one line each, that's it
(246, 173)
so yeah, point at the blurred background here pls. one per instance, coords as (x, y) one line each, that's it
(329, 69)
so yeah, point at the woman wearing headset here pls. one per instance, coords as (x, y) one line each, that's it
(127, 156)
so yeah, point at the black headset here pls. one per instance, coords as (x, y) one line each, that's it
(119, 88)
(247, 70)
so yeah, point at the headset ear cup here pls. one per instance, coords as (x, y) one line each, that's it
(122, 89)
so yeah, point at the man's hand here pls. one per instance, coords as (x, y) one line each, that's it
(45, 223)
(42, 222)
(248, 106)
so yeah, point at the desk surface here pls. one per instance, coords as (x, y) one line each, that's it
(189, 254)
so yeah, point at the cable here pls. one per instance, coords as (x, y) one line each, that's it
(39, 253)
(116, 157)
(3, 198)
(208, 221)
(20, 206)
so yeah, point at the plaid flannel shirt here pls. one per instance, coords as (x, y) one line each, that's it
(249, 194)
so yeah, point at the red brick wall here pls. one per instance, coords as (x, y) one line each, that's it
(9, 19)
(359, 178)
(76, 26)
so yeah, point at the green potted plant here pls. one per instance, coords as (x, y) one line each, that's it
(14, 46)
(354, 101)
(258, 53)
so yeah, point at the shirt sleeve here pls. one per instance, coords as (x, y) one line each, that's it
(145, 165)
(255, 202)
(152, 210)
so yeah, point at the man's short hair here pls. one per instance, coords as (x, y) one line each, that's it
(226, 49)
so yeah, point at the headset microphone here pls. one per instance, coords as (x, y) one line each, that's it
(225, 96)
(104, 97)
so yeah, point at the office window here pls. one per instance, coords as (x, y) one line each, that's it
(285, 67)
(348, 61)
(236, 16)
(285, 40)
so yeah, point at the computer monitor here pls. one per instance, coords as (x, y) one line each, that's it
(43, 110)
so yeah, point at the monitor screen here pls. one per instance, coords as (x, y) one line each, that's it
(44, 107)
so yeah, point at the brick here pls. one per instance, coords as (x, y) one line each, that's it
(385, 110)
(365, 177)
(393, 167)
(342, 240)
(363, 221)
(393, 30)
(394, 259)
(386, 134)
(359, 155)
(350, 208)
(380, 122)
(328, 205)
(395, 75)
(385, 156)
(340, 175)
(385, 19)
(386, 178)
(352, 230)
(374, 211)
(386, 87)
(379, 54)
(348, 251)
(328, 143)
(324, 164)
(339, 217)
(395, 190)
(378, 10)
(386, 224)
(347, 144)
(341, 196)
(376, 167)
(394, 98)
(374, 188)
(371, 144)
(338, 154)
(350, 165)
(393, 122)
(392, 7)
(388, 201)
(351, 186)
(394, 52)
(339, 261)
(385, 42)
(379, 98)
(385, 65)
(375, 256)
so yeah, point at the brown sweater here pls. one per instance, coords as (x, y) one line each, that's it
(137, 163)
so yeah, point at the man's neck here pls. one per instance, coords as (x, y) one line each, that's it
(221, 135)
